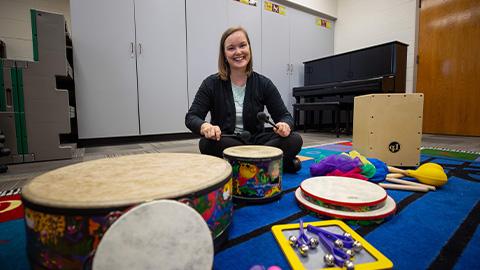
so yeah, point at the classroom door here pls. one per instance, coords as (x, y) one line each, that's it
(449, 61)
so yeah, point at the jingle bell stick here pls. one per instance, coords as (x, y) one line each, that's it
(410, 183)
(404, 187)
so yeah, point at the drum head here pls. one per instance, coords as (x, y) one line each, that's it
(343, 191)
(252, 151)
(128, 180)
(380, 213)
(156, 235)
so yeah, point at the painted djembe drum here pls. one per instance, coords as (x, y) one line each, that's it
(68, 210)
(358, 202)
(256, 172)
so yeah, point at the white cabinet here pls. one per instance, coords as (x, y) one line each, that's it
(103, 34)
(290, 37)
(308, 41)
(139, 63)
(161, 66)
(130, 67)
(248, 16)
(206, 21)
(276, 50)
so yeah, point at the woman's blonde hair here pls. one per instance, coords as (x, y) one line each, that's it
(223, 66)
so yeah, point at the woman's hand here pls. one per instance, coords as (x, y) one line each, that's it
(210, 131)
(283, 129)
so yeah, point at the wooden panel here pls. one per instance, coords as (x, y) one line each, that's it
(390, 133)
(449, 61)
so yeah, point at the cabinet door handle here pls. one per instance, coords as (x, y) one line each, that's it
(289, 69)
(132, 50)
(140, 48)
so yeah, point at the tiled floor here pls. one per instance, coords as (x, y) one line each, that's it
(18, 174)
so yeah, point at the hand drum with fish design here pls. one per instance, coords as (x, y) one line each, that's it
(257, 172)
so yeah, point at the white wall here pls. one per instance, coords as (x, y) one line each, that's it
(370, 22)
(328, 7)
(16, 28)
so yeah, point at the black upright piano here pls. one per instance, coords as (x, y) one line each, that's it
(337, 79)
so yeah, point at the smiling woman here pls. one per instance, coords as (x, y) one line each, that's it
(234, 96)
(235, 57)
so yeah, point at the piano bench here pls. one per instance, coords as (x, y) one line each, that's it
(334, 106)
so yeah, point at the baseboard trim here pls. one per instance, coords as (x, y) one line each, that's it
(134, 139)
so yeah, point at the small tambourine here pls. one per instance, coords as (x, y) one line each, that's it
(387, 209)
(161, 234)
(343, 192)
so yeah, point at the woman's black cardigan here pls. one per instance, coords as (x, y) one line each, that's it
(215, 95)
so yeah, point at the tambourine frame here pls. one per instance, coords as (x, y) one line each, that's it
(343, 214)
(340, 203)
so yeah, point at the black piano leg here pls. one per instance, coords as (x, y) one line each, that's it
(295, 118)
(347, 127)
(306, 118)
(337, 122)
(320, 119)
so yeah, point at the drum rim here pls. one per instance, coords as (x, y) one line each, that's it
(274, 156)
(354, 204)
(101, 206)
(249, 159)
(343, 214)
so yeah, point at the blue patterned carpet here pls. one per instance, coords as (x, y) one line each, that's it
(434, 230)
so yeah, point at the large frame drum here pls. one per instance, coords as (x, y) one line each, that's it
(162, 234)
(257, 172)
(68, 210)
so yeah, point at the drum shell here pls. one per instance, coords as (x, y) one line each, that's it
(65, 238)
(256, 179)
(351, 222)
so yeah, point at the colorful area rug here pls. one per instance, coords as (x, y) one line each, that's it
(435, 230)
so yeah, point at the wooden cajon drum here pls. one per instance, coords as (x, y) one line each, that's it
(389, 127)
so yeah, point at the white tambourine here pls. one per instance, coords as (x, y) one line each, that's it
(160, 234)
(386, 210)
(343, 191)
